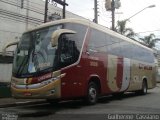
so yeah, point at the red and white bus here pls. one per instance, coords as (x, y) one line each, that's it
(74, 58)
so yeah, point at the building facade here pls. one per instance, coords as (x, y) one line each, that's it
(17, 16)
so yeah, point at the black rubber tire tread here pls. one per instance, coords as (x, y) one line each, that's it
(89, 100)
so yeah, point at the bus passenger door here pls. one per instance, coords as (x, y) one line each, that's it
(71, 83)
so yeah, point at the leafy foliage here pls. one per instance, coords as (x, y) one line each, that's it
(149, 40)
(122, 29)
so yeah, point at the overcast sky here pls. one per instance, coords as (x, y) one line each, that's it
(148, 20)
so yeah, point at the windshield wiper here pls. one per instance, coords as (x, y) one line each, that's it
(22, 66)
(45, 70)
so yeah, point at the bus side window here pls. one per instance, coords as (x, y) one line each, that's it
(97, 41)
(68, 51)
(126, 49)
(113, 45)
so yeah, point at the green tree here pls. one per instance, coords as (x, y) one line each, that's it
(149, 40)
(122, 29)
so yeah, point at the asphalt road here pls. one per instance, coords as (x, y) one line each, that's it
(106, 108)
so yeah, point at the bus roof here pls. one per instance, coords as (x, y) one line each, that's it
(92, 25)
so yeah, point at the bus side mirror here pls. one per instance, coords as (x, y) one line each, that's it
(56, 34)
(8, 45)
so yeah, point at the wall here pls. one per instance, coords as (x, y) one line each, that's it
(14, 20)
(5, 73)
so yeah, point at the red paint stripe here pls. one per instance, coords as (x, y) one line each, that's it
(119, 77)
(40, 78)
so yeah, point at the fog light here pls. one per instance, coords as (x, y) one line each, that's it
(53, 91)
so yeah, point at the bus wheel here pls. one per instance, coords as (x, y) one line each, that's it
(144, 89)
(92, 94)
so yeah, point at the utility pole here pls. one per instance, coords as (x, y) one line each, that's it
(113, 14)
(45, 11)
(111, 5)
(95, 12)
(22, 4)
(64, 9)
(63, 3)
(27, 14)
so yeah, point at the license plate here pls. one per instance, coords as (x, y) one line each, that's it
(28, 94)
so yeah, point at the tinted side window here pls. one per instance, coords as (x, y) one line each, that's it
(103, 42)
(151, 57)
(143, 54)
(68, 50)
(126, 49)
(97, 41)
(113, 46)
(70, 45)
(80, 33)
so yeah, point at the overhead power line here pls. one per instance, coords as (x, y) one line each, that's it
(15, 4)
(10, 31)
(31, 7)
(19, 17)
(158, 30)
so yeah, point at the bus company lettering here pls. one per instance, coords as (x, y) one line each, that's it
(94, 58)
(47, 76)
(145, 67)
(94, 64)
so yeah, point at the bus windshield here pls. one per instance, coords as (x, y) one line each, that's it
(35, 53)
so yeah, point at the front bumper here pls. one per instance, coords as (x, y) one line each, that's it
(50, 91)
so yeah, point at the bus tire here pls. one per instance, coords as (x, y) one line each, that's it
(144, 89)
(92, 93)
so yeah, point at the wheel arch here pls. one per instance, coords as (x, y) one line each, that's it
(96, 80)
(144, 78)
